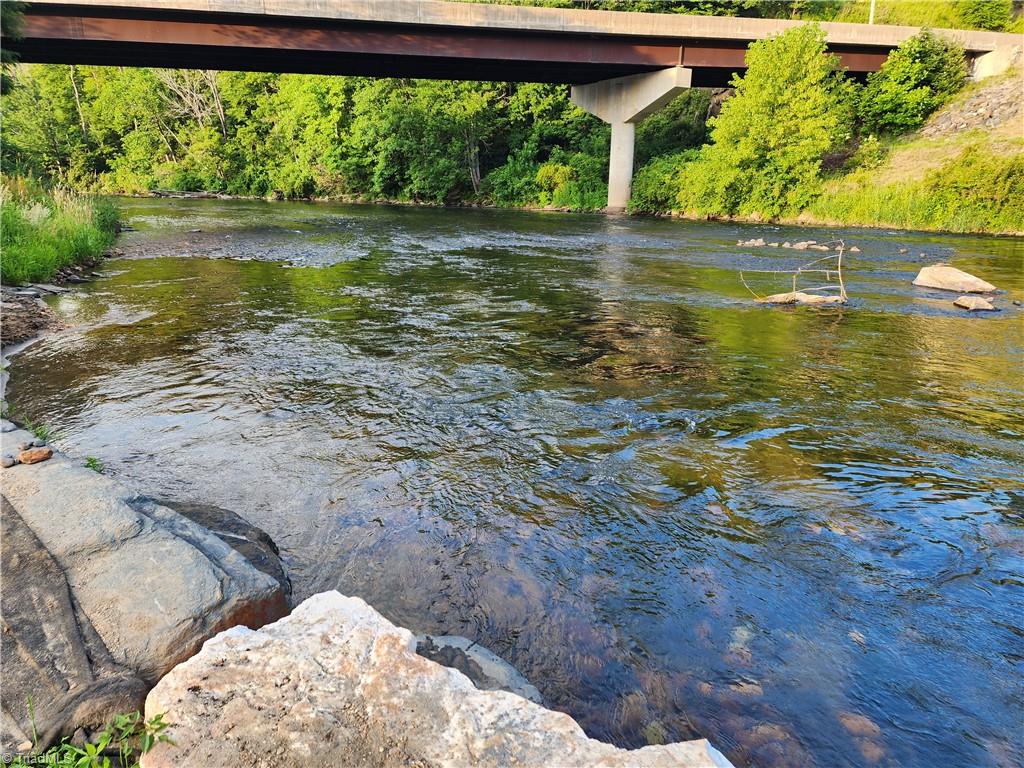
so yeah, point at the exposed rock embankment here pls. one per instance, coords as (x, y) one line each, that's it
(24, 315)
(104, 592)
(336, 684)
(993, 105)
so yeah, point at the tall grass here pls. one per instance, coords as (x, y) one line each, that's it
(975, 191)
(42, 231)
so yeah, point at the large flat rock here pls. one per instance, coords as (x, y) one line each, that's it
(335, 684)
(947, 278)
(153, 584)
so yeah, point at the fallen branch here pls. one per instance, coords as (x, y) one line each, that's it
(806, 295)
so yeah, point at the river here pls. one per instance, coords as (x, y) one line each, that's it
(577, 440)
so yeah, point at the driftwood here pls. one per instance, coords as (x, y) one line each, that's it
(832, 291)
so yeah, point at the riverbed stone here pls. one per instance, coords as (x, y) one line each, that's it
(152, 583)
(975, 304)
(51, 653)
(7, 461)
(947, 278)
(335, 684)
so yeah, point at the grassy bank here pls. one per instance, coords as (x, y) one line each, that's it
(961, 171)
(978, 188)
(42, 231)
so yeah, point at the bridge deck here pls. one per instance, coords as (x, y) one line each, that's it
(425, 38)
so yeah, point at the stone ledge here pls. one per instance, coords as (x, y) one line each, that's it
(336, 684)
(144, 585)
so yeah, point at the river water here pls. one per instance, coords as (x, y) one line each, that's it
(577, 440)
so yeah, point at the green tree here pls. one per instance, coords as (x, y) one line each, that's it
(985, 14)
(917, 78)
(790, 109)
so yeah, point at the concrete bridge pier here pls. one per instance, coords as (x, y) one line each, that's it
(623, 102)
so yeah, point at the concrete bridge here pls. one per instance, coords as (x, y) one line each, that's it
(622, 66)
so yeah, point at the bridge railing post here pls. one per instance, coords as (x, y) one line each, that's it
(623, 102)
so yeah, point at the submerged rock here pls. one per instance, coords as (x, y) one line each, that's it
(975, 303)
(488, 671)
(336, 684)
(799, 297)
(947, 278)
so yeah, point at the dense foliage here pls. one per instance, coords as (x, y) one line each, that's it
(131, 130)
(791, 108)
(985, 14)
(915, 80)
(10, 25)
(44, 231)
(793, 115)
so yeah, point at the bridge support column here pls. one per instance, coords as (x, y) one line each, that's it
(624, 102)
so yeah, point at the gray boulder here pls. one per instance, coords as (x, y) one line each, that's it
(335, 684)
(54, 663)
(150, 584)
(253, 543)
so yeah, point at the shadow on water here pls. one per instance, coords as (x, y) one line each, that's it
(796, 532)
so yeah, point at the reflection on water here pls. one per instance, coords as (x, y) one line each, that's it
(794, 531)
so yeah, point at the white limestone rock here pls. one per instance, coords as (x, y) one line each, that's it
(974, 304)
(337, 685)
(947, 278)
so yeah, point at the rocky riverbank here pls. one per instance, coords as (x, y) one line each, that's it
(336, 684)
(23, 313)
(104, 592)
(108, 593)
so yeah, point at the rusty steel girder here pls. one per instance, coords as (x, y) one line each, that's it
(136, 37)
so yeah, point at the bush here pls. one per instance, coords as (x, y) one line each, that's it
(573, 180)
(40, 232)
(791, 108)
(985, 14)
(515, 182)
(656, 185)
(916, 79)
(870, 154)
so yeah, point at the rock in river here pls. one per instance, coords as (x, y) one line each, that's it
(799, 297)
(335, 684)
(947, 278)
(975, 303)
(146, 584)
(51, 652)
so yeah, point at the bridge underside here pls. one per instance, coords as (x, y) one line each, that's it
(143, 37)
